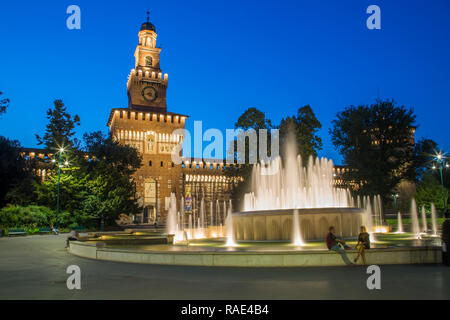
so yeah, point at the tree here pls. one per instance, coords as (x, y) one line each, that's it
(304, 126)
(376, 142)
(4, 103)
(72, 192)
(13, 166)
(60, 129)
(100, 186)
(424, 150)
(111, 188)
(429, 191)
(255, 119)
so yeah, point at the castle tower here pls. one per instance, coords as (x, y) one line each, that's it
(147, 84)
(147, 126)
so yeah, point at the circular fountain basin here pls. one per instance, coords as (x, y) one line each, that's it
(270, 225)
(389, 249)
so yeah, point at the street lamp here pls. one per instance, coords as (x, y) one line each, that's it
(395, 196)
(61, 151)
(440, 163)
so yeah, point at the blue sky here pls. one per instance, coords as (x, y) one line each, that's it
(225, 56)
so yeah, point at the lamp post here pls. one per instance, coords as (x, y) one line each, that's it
(61, 151)
(441, 164)
(395, 196)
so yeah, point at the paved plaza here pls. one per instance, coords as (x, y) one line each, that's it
(34, 267)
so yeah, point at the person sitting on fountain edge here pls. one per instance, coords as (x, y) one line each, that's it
(363, 244)
(333, 243)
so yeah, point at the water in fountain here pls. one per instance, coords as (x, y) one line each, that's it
(297, 239)
(368, 207)
(171, 227)
(424, 220)
(414, 218)
(230, 235)
(191, 234)
(217, 212)
(211, 221)
(376, 214)
(433, 219)
(379, 212)
(399, 223)
(224, 211)
(294, 186)
(202, 214)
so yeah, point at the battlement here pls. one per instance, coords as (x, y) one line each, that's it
(207, 164)
(129, 114)
(147, 75)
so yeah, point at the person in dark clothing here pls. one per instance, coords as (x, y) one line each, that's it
(445, 238)
(73, 236)
(363, 244)
(333, 243)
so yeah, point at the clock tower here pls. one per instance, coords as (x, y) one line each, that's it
(147, 84)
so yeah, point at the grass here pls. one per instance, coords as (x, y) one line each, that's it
(393, 222)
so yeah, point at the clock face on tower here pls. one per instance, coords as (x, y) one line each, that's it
(149, 93)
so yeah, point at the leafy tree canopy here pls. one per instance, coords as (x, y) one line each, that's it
(376, 141)
(304, 126)
(429, 191)
(4, 103)
(60, 129)
(253, 118)
(424, 151)
(12, 166)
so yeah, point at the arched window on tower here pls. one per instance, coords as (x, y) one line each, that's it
(148, 61)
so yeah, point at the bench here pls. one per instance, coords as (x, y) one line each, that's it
(45, 230)
(78, 228)
(14, 232)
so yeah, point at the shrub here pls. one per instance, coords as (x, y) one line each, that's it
(30, 217)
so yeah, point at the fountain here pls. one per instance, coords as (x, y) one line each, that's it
(280, 187)
(433, 219)
(369, 218)
(295, 186)
(224, 211)
(297, 239)
(191, 233)
(302, 203)
(211, 221)
(414, 219)
(230, 234)
(171, 227)
(202, 214)
(424, 220)
(399, 223)
(377, 210)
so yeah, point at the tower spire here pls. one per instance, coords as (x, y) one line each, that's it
(148, 13)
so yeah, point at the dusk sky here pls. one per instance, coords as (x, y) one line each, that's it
(225, 56)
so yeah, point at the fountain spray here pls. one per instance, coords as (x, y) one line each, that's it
(297, 237)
